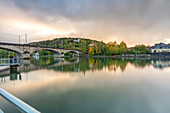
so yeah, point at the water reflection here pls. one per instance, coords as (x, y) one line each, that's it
(112, 85)
(82, 65)
(78, 65)
(161, 63)
(10, 75)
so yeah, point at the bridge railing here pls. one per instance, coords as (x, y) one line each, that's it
(9, 61)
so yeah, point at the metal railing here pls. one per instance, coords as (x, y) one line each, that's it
(22, 106)
(1, 111)
(9, 61)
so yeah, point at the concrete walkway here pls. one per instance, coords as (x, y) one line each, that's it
(17, 102)
(4, 68)
(1, 111)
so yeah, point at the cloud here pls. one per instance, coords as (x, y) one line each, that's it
(134, 21)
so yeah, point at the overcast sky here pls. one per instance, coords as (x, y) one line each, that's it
(134, 21)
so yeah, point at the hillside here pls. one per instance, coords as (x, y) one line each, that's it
(93, 47)
(67, 43)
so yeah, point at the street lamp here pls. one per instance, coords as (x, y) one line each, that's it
(19, 39)
(25, 38)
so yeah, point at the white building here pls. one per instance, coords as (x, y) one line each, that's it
(159, 48)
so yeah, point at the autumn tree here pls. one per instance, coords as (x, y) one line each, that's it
(91, 50)
(123, 47)
(112, 43)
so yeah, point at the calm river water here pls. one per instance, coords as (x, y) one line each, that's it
(89, 85)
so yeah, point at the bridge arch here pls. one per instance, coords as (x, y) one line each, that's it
(73, 52)
(17, 52)
(56, 53)
(24, 50)
(50, 50)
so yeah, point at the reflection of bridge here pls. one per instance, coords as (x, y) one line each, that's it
(26, 66)
(24, 50)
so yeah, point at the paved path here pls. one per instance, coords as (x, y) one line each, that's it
(3, 68)
(1, 111)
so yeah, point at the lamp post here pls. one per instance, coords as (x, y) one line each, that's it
(25, 38)
(19, 39)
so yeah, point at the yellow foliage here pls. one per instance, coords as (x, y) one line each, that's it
(91, 50)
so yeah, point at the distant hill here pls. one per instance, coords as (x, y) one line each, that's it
(65, 42)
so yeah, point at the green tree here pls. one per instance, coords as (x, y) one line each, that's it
(140, 48)
(83, 47)
(98, 47)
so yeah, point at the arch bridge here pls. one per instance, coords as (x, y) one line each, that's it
(24, 50)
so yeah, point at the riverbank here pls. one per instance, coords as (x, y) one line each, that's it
(128, 56)
(120, 56)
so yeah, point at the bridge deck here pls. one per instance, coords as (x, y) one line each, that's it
(28, 45)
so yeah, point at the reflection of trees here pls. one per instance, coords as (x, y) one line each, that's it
(43, 61)
(93, 64)
(100, 63)
(140, 63)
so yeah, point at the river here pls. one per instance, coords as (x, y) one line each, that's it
(89, 85)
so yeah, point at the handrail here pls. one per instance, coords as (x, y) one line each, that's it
(17, 102)
(1, 111)
(9, 61)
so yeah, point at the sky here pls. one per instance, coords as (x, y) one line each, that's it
(132, 21)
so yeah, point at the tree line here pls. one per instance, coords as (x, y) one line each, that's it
(93, 64)
(112, 48)
(94, 47)
(87, 47)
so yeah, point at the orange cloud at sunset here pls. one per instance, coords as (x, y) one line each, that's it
(133, 21)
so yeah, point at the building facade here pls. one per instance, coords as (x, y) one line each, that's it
(160, 48)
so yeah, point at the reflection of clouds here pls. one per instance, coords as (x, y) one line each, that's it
(94, 65)
(40, 79)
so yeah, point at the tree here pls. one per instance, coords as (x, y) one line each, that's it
(91, 50)
(140, 48)
(104, 49)
(112, 43)
(98, 47)
(116, 50)
(70, 45)
(107, 50)
(123, 47)
(83, 47)
(154, 51)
